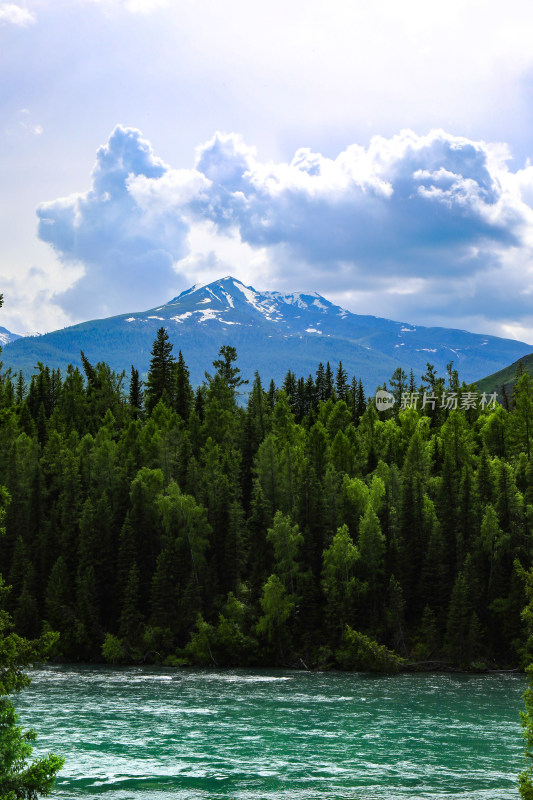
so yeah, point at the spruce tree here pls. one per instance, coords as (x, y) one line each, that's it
(398, 383)
(183, 392)
(328, 382)
(226, 370)
(341, 383)
(320, 383)
(21, 388)
(135, 395)
(360, 404)
(160, 380)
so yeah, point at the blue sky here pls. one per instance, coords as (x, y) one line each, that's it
(378, 153)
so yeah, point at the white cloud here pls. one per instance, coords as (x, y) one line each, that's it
(29, 303)
(420, 227)
(16, 15)
(127, 248)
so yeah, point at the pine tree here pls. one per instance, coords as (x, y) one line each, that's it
(398, 383)
(360, 403)
(183, 391)
(21, 388)
(226, 370)
(328, 382)
(160, 380)
(271, 394)
(289, 386)
(135, 395)
(320, 383)
(341, 383)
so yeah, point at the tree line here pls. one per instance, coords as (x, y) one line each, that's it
(245, 525)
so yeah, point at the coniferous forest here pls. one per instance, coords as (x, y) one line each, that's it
(251, 525)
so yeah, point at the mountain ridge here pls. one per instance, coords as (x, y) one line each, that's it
(7, 336)
(272, 332)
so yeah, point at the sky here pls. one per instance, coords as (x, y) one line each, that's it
(378, 153)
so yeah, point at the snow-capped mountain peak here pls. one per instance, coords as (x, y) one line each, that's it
(226, 299)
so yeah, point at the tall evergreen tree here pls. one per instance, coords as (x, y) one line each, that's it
(341, 383)
(183, 390)
(328, 382)
(226, 370)
(136, 394)
(160, 380)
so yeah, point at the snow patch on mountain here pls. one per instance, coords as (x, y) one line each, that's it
(206, 314)
(181, 317)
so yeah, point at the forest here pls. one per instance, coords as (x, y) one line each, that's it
(249, 525)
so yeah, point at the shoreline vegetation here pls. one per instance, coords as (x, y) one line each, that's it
(299, 524)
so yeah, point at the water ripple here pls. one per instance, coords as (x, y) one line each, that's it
(155, 734)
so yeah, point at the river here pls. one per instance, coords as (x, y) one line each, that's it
(156, 734)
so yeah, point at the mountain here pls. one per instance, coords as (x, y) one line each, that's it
(506, 376)
(6, 336)
(272, 332)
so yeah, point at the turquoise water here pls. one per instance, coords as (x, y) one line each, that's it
(189, 734)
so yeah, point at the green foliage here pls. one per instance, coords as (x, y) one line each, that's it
(19, 778)
(277, 606)
(363, 653)
(112, 649)
(339, 583)
(142, 526)
(160, 380)
(286, 540)
(199, 649)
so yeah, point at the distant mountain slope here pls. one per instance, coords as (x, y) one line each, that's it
(506, 376)
(7, 336)
(272, 333)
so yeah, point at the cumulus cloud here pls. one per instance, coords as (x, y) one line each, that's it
(435, 222)
(15, 15)
(408, 204)
(125, 243)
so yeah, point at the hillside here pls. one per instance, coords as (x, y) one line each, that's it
(505, 376)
